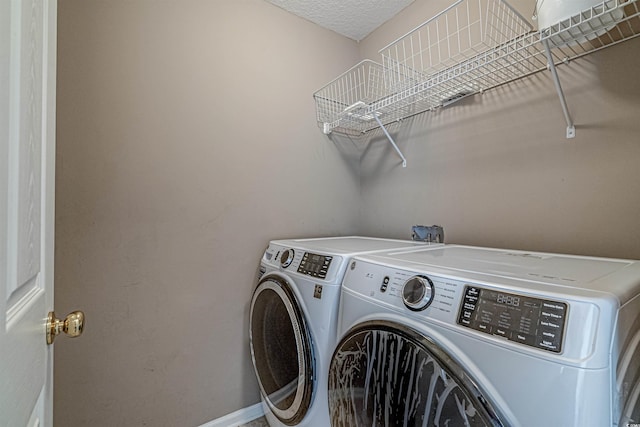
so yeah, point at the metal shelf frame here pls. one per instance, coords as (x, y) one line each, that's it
(471, 47)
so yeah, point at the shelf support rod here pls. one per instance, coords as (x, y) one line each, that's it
(571, 129)
(393, 143)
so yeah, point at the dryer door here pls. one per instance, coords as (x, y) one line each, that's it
(281, 350)
(386, 374)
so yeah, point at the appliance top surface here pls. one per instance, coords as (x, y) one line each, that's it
(350, 245)
(615, 276)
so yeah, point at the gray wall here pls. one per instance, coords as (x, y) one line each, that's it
(186, 140)
(497, 170)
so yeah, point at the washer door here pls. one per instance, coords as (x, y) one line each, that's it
(281, 350)
(386, 374)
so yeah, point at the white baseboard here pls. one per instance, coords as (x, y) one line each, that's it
(239, 417)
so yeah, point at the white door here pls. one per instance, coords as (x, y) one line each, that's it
(27, 160)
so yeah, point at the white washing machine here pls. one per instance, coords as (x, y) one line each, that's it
(465, 336)
(293, 322)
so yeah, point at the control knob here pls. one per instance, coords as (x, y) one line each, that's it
(417, 293)
(286, 258)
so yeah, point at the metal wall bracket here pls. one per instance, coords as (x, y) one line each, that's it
(571, 129)
(393, 143)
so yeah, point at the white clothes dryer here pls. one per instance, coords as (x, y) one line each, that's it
(465, 336)
(293, 321)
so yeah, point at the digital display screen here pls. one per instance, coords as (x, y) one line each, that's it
(531, 321)
(315, 265)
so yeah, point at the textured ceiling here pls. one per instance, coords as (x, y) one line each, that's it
(351, 18)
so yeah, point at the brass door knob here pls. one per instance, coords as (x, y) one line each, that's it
(72, 325)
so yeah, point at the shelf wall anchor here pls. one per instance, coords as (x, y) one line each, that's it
(393, 143)
(571, 129)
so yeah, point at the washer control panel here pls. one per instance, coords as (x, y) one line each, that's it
(523, 319)
(569, 324)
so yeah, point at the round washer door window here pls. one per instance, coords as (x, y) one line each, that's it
(281, 350)
(386, 374)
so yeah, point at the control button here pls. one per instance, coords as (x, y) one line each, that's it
(551, 315)
(501, 332)
(548, 345)
(523, 338)
(417, 293)
(385, 284)
(286, 258)
(553, 306)
(550, 324)
(471, 299)
(520, 337)
(484, 327)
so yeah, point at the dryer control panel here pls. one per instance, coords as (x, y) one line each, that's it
(311, 265)
(523, 319)
(315, 265)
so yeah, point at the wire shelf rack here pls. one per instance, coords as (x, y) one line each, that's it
(472, 46)
(351, 103)
(458, 33)
(339, 103)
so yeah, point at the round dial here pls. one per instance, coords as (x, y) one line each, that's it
(417, 293)
(286, 258)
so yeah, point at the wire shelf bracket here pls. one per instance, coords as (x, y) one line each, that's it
(393, 143)
(364, 112)
(571, 129)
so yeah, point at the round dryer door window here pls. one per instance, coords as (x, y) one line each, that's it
(386, 374)
(281, 350)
